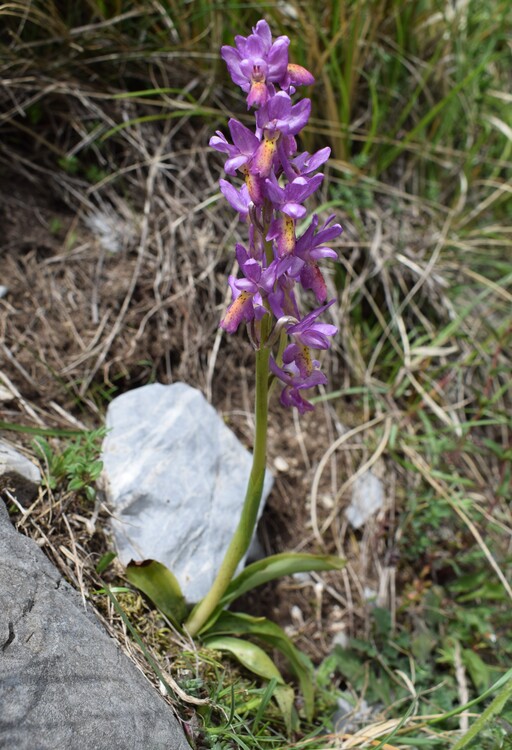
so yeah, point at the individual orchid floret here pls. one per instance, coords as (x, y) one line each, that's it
(304, 163)
(295, 383)
(310, 332)
(310, 248)
(248, 292)
(289, 199)
(280, 115)
(241, 151)
(257, 63)
(240, 200)
(288, 202)
(277, 118)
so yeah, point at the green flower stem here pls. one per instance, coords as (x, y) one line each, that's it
(242, 537)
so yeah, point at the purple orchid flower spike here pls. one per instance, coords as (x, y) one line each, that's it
(277, 182)
(295, 383)
(257, 63)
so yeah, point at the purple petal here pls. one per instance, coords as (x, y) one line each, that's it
(280, 106)
(231, 165)
(323, 252)
(317, 339)
(237, 200)
(255, 47)
(292, 397)
(241, 254)
(262, 30)
(278, 59)
(295, 210)
(243, 138)
(298, 116)
(278, 371)
(232, 59)
(290, 353)
(219, 143)
(326, 235)
(274, 193)
(252, 270)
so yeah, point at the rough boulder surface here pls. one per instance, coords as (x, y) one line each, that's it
(64, 684)
(175, 476)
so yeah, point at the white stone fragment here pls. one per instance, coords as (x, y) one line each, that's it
(17, 473)
(367, 499)
(175, 477)
(281, 464)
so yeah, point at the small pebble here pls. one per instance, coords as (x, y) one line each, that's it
(281, 464)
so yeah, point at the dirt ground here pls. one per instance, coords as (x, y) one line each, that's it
(104, 295)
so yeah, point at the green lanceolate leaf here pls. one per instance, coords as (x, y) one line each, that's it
(276, 566)
(236, 623)
(285, 698)
(248, 654)
(253, 658)
(161, 586)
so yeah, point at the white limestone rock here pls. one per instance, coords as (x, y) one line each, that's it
(17, 473)
(367, 499)
(175, 477)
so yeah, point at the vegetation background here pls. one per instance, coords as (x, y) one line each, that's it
(115, 252)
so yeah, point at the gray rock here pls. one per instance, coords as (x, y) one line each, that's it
(367, 499)
(17, 473)
(175, 476)
(64, 684)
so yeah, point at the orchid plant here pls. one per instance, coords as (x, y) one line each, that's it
(275, 261)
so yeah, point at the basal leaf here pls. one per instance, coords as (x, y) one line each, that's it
(248, 654)
(236, 623)
(276, 566)
(161, 586)
(285, 698)
(253, 657)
